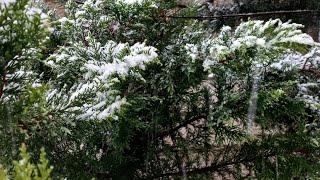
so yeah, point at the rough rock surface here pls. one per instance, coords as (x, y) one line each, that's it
(56, 6)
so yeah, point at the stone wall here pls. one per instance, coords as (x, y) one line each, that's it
(222, 2)
(56, 6)
(314, 32)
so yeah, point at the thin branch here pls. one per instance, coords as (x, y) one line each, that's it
(3, 82)
(169, 131)
(244, 15)
(212, 168)
(309, 69)
(312, 71)
(78, 2)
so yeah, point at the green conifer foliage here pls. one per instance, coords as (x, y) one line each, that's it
(24, 31)
(136, 94)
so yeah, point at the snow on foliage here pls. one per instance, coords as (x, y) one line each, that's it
(129, 1)
(257, 46)
(6, 2)
(132, 2)
(91, 73)
(267, 38)
(19, 46)
(308, 90)
(88, 70)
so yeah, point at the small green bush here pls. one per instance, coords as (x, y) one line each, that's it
(24, 170)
